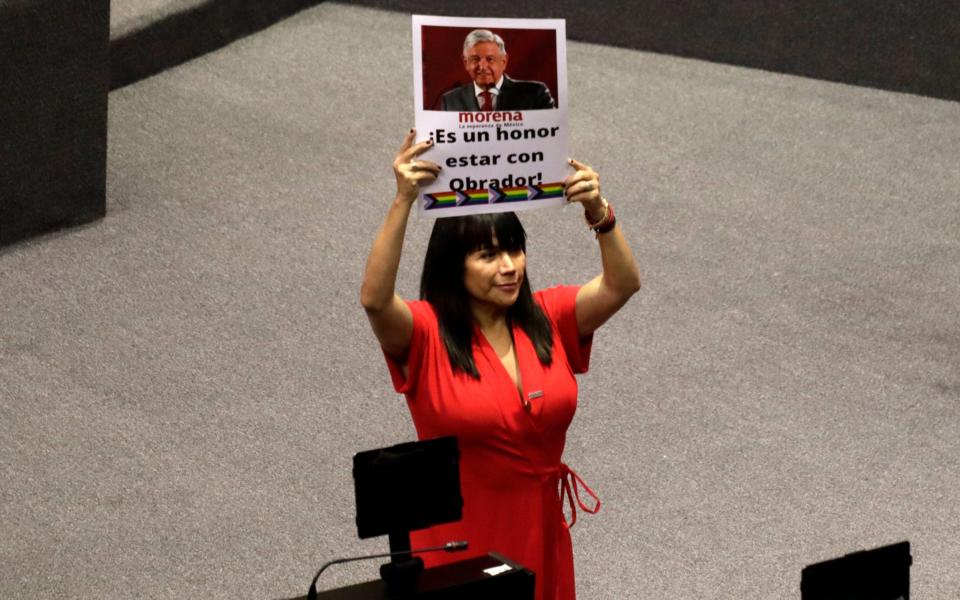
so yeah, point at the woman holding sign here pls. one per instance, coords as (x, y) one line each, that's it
(484, 358)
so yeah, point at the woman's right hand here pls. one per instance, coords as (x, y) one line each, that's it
(411, 172)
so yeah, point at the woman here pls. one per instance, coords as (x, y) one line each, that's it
(483, 358)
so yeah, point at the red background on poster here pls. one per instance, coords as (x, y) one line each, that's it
(532, 54)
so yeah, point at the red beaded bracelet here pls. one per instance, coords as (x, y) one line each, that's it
(608, 223)
(603, 219)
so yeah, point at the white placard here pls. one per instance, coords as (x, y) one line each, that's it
(513, 157)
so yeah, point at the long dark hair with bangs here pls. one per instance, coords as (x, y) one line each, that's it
(441, 284)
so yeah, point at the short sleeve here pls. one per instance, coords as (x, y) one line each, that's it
(560, 304)
(425, 329)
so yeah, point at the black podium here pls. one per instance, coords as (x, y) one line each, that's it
(464, 580)
(54, 79)
(413, 486)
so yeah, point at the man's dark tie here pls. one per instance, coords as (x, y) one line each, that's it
(487, 99)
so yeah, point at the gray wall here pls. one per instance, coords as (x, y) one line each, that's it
(177, 35)
(902, 46)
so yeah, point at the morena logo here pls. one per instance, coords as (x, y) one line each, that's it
(492, 116)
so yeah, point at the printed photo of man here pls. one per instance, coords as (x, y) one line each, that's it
(485, 61)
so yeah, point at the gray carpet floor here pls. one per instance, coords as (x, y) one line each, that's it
(183, 384)
(129, 16)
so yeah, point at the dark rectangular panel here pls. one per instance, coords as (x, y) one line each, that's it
(53, 114)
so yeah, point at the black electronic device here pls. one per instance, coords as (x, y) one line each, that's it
(878, 574)
(407, 487)
(403, 488)
(413, 486)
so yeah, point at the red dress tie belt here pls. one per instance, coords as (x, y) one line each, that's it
(569, 479)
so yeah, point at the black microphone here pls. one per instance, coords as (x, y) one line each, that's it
(448, 547)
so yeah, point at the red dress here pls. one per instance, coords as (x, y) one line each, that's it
(510, 468)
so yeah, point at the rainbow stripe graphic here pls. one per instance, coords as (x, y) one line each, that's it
(475, 197)
(452, 198)
(442, 200)
(512, 194)
(548, 190)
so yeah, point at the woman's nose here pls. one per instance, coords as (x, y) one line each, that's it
(506, 262)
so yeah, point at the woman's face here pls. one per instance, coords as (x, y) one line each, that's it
(493, 276)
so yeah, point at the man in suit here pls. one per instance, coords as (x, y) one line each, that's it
(485, 60)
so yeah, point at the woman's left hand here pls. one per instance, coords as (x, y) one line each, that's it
(584, 187)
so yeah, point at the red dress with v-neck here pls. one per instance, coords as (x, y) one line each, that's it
(510, 455)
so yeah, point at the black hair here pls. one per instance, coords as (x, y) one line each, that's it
(441, 284)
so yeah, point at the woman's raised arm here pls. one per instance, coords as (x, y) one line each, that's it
(606, 293)
(389, 315)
